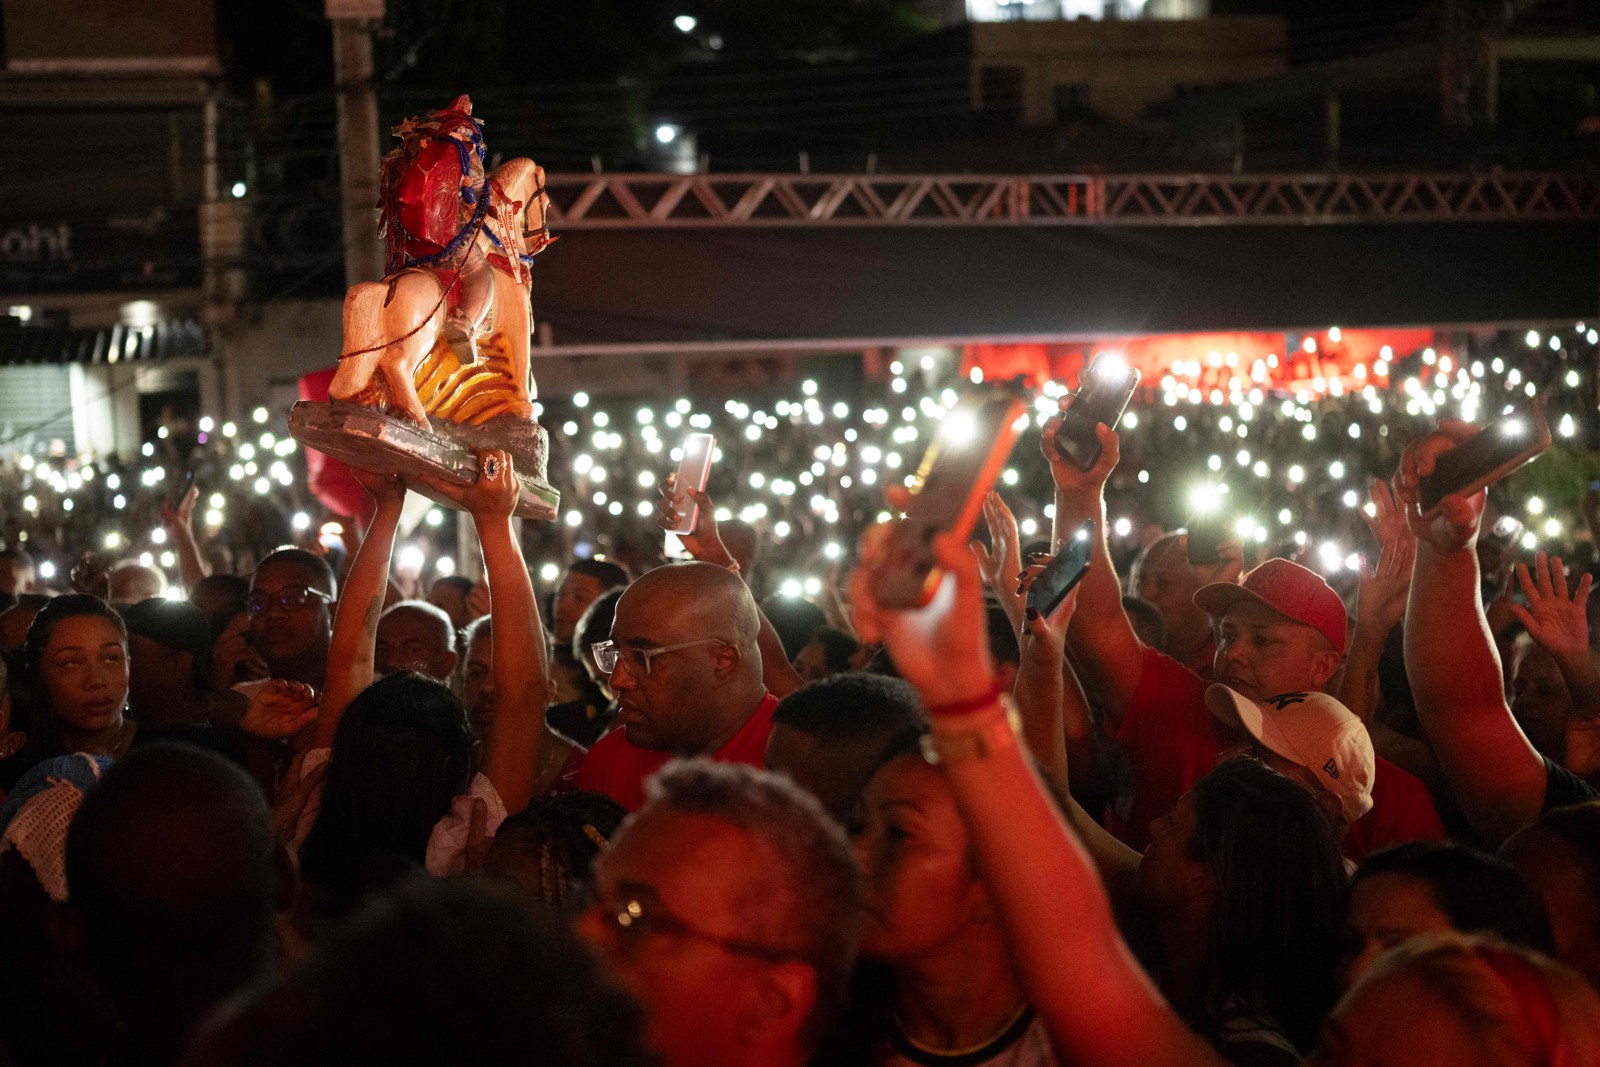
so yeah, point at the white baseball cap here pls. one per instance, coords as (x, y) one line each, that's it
(1310, 729)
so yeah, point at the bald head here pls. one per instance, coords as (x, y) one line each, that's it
(1162, 577)
(689, 674)
(693, 600)
(130, 583)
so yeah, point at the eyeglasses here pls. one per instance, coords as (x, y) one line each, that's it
(636, 918)
(607, 654)
(291, 598)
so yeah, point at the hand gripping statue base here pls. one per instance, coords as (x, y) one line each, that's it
(436, 356)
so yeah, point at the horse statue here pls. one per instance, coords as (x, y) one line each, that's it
(442, 343)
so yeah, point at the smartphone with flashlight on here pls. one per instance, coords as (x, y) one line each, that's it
(694, 470)
(1064, 572)
(1508, 529)
(1103, 395)
(1203, 539)
(1487, 456)
(956, 473)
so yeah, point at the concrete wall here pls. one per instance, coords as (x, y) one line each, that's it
(1124, 66)
(266, 350)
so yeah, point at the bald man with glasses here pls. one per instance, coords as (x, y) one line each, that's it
(684, 663)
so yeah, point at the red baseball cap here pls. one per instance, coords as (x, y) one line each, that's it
(1287, 588)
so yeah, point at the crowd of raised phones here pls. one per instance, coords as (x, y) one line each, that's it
(1206, 809)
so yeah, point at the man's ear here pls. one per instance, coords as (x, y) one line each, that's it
(1324, 665)
(778, 1005)
(727, 658)
(450, 671)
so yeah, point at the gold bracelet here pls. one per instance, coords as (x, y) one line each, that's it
(994, 734)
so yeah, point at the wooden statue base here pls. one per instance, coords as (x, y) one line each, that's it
(370, 440)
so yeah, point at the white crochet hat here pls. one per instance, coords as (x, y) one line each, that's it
(40, 811)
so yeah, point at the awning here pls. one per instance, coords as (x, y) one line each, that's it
(27, 343)
(675, 288)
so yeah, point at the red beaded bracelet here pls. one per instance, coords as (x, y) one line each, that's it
(964, 707)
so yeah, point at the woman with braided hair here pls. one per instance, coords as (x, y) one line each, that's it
(548, 847)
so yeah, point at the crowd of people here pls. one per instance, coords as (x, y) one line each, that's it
(1260, 804)
(802, 462)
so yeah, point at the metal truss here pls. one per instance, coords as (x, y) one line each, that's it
(632, 201)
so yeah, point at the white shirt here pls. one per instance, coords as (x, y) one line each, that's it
(447, 844)
(1022, 1045)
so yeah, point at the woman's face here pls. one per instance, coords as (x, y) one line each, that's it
(921, 890)
(1394, 1021)
(85, 673)
(1167, 874)
(1540, 701)
(1385, 909)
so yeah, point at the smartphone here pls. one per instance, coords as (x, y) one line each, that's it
(956, 473)
(1064, 572)
(1203, 539)
(1103, 395)
(693, 472)
(1487, 456)
(1508, 529)
(180, 490)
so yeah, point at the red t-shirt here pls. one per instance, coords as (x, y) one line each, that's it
(1402, 810)
(1173, 741)
(618, 769)
(1204, 662)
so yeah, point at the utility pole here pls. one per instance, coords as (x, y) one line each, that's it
(1455, 67)
(359, 158)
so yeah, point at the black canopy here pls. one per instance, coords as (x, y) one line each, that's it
(704, 286)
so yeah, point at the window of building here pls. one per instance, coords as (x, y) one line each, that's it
(1000, 91)
(1071, 102)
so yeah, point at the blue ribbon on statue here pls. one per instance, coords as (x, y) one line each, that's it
(464, 155)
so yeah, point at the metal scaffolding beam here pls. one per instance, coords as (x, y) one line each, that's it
(633, 201)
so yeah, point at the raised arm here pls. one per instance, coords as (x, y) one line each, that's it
(1380, 603)
(1061, 737)
(705, 544)
(1451, 660)
(512, 748)
(1040, 694)
(1000, 561)
(1055, 713)
(1101, 637)
(1096, 1002)
(1558, 621)
(355, 620)
(179, 522)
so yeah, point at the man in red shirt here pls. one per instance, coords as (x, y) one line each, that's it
(685, 666)
(1281, 631)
